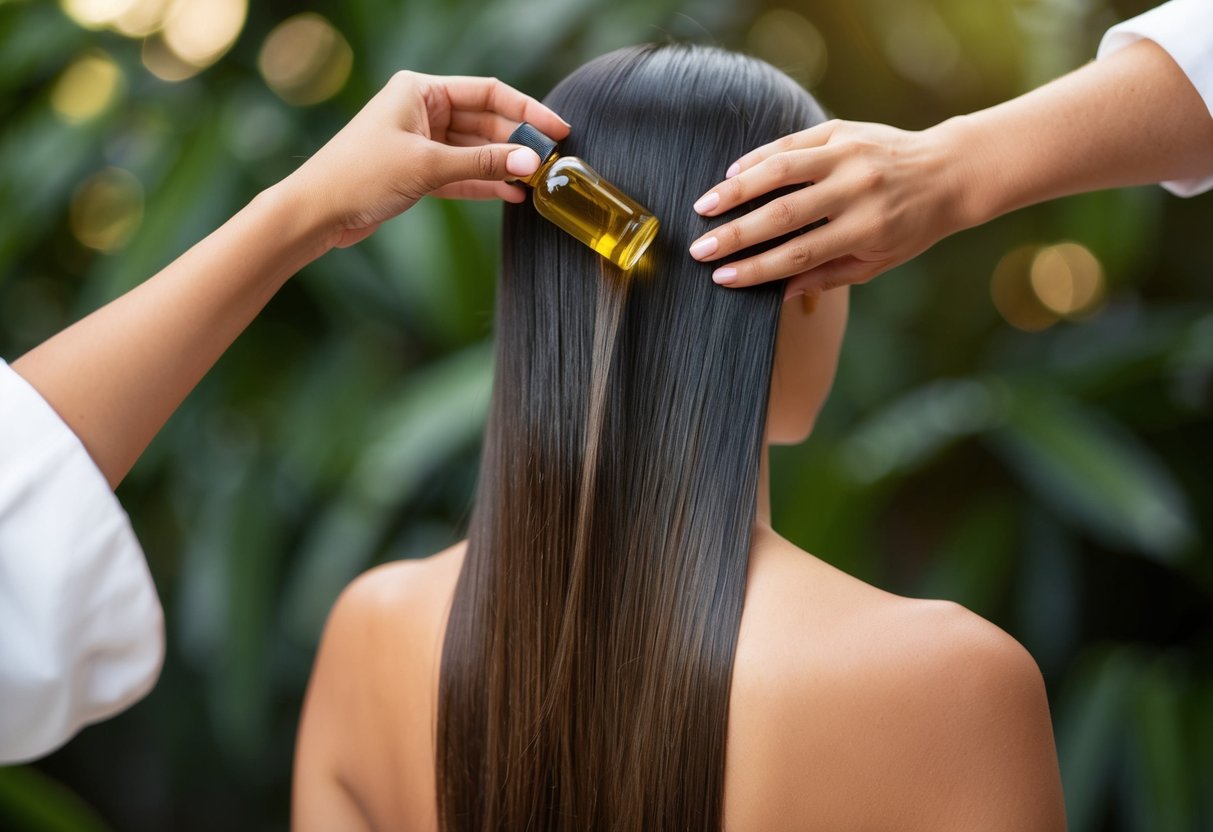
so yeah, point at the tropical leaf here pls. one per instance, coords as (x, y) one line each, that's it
(1094, 473)
(1090, 739)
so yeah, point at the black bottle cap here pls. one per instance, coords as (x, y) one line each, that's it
(528, 135)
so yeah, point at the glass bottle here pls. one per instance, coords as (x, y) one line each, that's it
(574, 196)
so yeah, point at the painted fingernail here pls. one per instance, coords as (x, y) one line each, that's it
(703, 248)
(522, 161)
(707, 202)
(733, 170)
(725, 275)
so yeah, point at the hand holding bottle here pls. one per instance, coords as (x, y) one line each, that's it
(420, 134)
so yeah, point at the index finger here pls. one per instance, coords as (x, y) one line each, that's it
(489, 94)
(814, 136)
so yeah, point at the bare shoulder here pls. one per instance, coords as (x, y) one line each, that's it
(882, 708)
(384, 628)
(367, 717)
(384, 624)
(972, 719)
(382, 594)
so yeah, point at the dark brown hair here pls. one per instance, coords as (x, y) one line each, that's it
(589, 651)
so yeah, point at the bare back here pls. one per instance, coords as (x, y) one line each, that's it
(851, 708)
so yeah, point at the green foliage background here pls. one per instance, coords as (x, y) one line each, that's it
(1057, 483)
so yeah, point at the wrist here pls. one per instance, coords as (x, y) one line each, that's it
(296, 212)
(969, 196)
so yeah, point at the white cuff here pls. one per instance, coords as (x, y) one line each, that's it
(1184, 28)
(81, 629)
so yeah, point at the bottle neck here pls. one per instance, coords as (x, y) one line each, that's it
(537, 177)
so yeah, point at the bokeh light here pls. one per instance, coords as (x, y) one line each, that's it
(200, 31)
(921, 47)
(788, 40)
(1012, 293)
(305, 60)
(141, 18)
(106, 209)
(164, 62)
(1068, 279)
(95, 14)
(181, 37)
(86, 88)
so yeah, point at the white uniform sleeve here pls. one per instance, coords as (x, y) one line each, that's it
(1184, 28)
(81, 629)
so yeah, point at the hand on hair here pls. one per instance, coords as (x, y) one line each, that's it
(420, 134)
(888, 195)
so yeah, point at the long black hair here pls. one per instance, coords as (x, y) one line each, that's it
(589, 650)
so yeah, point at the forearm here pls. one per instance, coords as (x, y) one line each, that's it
(1133, 118)
(117, 375)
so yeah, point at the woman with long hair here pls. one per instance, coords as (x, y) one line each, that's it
(623, 642)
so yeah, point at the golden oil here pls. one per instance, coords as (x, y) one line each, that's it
(571, 194)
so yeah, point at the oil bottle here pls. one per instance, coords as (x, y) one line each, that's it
(571, 194)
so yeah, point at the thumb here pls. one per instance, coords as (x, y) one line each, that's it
(488, 161)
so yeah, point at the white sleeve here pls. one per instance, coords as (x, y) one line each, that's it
(1184, 28)
(81, 629)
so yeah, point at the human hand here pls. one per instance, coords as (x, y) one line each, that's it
(420, 134)
(889, 194)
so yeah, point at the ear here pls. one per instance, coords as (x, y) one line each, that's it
(806, 356)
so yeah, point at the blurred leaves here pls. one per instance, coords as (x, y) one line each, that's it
(1095, 473)
(903, 436)
(440, 413)
(1090, 736)
(1123, 743)
(32, 802)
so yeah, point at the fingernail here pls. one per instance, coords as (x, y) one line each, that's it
(707, 202)
(703, 248)
(733, 170)
(522, 161)
(725, 275)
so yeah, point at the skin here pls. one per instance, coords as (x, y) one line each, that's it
(851, 708)
(117, 375)
(1132, 118)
